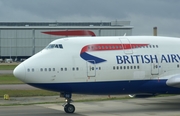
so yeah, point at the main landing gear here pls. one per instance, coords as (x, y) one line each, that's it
(68, 107)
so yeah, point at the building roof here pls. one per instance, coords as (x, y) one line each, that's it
(54, 24)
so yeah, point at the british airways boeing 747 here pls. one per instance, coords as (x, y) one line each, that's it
(105, 66)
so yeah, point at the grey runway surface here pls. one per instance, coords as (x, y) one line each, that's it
(17, 87)
(156, 106)
(6, 71)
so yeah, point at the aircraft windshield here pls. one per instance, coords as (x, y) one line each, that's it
(51, 46)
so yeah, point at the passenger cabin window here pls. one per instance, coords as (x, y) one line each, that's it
(77, 68)
(137, 67)
(52, 46)
(114, 67)
(178, 65)
(120, 67)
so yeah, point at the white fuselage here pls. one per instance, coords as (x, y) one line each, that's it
(112, 65)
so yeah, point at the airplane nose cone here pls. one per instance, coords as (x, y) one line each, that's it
(19, 72)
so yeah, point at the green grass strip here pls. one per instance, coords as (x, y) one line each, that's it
(9, 79)
(7, 67)
(104, 99)
(27, 93)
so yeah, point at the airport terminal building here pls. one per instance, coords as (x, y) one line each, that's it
(24, 39)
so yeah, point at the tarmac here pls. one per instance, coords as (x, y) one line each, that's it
(6, 72)
(17, 87)
(155, 106)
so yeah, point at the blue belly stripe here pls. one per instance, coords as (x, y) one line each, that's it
(111, 87)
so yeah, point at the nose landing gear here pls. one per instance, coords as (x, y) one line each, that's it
(68, 107)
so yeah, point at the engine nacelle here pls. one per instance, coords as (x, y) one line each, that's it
(141, 95)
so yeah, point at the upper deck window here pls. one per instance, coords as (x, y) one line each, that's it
(51, 46)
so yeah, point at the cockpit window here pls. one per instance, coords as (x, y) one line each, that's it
(51, 46)
(60, 46)
(56, 46)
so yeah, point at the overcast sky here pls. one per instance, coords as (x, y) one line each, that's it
(143, 14)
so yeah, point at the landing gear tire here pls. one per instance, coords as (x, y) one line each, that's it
(69, 108)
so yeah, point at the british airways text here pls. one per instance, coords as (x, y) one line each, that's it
(131, 59)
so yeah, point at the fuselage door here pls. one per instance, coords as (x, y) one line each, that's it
(126, 45)
(155, 65)
(91, 68)
(154, 68)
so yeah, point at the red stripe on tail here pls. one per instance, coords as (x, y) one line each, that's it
(71, 33)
